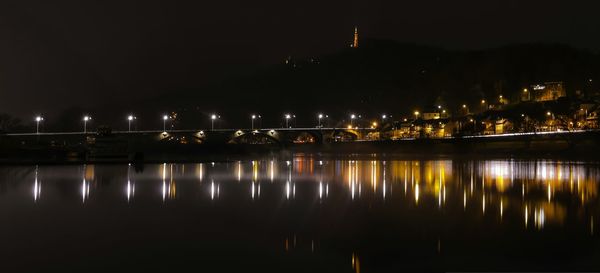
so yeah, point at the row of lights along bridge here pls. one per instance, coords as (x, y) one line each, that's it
(213, 118)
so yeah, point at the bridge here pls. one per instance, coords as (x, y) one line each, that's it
(216, 136)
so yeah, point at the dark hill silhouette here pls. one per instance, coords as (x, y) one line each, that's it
(381, 76)
(387, 76)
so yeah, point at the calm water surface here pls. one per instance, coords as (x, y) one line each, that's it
(301, 214)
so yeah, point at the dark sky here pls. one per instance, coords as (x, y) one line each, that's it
(54, 54)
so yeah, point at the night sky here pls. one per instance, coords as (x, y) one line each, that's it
(56, 54)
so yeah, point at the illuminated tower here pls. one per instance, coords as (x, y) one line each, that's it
(355, 42)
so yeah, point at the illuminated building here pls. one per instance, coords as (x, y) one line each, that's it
(431, 115)
(548, 91)
(355, 41)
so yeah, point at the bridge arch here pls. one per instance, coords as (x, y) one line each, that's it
(254, 137)
(344, 135)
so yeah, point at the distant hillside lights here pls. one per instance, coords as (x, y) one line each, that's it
(354, 43)
(548, 91)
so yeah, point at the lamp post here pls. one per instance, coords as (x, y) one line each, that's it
(287, 118)
(352, 117)
(129, 119)
(85, 121)
(38, 119)
(320, 116)
(416, 115)
(253, 117)
(213, 117)
(165, 118)
(551, 115)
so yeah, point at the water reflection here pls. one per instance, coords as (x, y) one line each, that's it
(516, 197)
(37, 185)
(540, 191)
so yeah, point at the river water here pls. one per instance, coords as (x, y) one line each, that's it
(302, 214)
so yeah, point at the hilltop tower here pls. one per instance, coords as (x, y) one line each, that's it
(355, 42)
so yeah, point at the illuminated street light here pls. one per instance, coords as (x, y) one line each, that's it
(352, 117)
(416, 114)
(38, 119)
(213, 117)
(287, 118)
(85, 120)
(320, 116)
(130, 118)
(252, 118)
(165, 118)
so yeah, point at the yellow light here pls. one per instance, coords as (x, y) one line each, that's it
(416, 113)
(464, 106)
(374, 124)
(525, 90)
(482, 101)
(548, 113)
(349, 126)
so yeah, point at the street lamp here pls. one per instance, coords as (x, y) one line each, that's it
(213, 117)
(253, 117)
(165, 118)
(352, 117)
(38, 119)
(129, 119)
(320, 116)
(550, 114)
(85, 120)
(416, 114)
(287, 118)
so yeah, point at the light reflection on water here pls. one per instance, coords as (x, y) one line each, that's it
(523, 196)
(489, 184)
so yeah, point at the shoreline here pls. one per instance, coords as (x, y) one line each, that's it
(575, 146)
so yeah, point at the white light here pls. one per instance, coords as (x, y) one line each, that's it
(165, 117)
(130, 117)
(38, 118)
(253, 116)
(288, 116)
(213, 116)
(384, 116)
(320, 115)
(86, 118)
(352, 116)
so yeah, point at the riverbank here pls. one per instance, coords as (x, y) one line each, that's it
(575, 146)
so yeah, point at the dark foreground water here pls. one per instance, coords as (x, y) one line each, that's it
(301, 214)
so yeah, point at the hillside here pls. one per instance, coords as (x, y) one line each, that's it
(385, 76)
